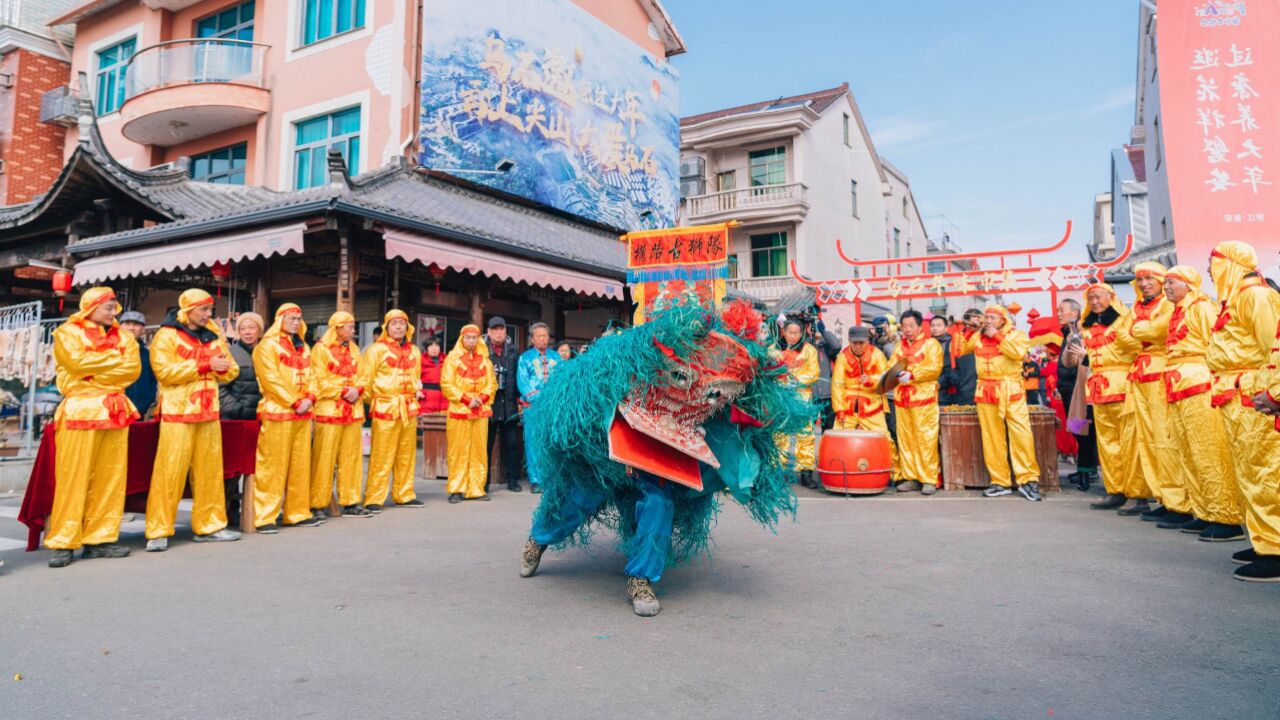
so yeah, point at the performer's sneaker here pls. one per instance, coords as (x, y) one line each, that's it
(60, 558)
(908, 486)
(514, 486)
(1221, 532)
(309, 522)
(269, 529)
(1030, 491)
(1156, 515)
(373, 509)
(105, 550)
(1266, 569)
(223, 535)
(455, 498)
(531, 557)
(925, 489)
(1112, 501)
(1137, 508)
(355, 511)
(414, 503)
(1175, 520)
(643, 600)
(996, 491)
(1193, 526)
(158, 545)
(320, 515)
(535, 489)
(1244, 557)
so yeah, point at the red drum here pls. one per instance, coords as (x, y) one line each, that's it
(854, 462)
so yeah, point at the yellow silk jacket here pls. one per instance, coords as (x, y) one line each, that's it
(1111, 350)
(187, 386)
(393, 378)
(1190, 327)
(802, 367)
(284, 376)
(850, 394)
(1243, 336)
(334, 369)
(465, 376)
(1150, 327)
(94, 366)
(999, 364)
(924, 361)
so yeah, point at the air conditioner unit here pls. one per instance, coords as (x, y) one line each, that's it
(2, 167)
(6, 80)
(693, 187)
(693, 167)
(58, 107)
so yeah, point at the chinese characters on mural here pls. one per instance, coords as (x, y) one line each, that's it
(1226, 98)
(588, 118)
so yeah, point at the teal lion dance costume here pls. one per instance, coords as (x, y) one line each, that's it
(647, 431)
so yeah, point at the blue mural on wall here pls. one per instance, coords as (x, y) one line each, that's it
(588, 118)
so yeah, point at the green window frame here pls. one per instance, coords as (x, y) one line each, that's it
(224, 166)
(323, 19)
(768, 167)
(769, 255)
(109, 77)
(314, 138)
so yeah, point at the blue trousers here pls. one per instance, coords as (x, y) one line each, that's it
(651, 542)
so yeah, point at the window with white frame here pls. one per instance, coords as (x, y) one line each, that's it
(109, 76)
(315, 137)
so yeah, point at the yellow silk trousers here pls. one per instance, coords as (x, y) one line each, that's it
(283, 474)
(394, 452)
(1114, 432)
(88, 500)
(875, 423)
(1006, 432)
(918, 443)
(1154, 456)
(801, 446)
(1208, 469)
(336, 445)
(183, 448)
(1256, 447)
(467, 455)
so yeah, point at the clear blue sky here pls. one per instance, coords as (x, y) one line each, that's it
(1002, 114)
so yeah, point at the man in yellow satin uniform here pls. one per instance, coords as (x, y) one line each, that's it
(282, 362)
(1154, 457)
(1195, 428)
(468, 382)
(339, 415)
(854, 398)
(803, 370)
(190, 358)
(1109, 351)
(393, 384)
(1001, 399)
(917, 405)
(96, 361)
(1243, 334)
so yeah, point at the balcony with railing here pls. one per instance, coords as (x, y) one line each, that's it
(768, 290)
(780, 203)
(186, 89)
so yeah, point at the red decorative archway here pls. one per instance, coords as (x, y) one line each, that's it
(883, 280)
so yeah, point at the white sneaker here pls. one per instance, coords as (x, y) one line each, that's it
(223, 535)
(158, 545)
(996, 491)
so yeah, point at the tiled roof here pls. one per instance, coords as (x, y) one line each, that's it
(1137, 159)
(819, 101)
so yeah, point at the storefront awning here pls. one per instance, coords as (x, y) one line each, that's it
(169, 258)
(427, 250)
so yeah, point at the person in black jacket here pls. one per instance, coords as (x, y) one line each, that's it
(1087, 445)
(142, 393)
(947, 380)
(961, 363)
(504, 426)
(238, 399)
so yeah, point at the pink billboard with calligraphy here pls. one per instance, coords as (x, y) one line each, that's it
(1219, 76)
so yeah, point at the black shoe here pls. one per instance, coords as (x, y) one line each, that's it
(514, 486)
(269, 529)
(483, 498)
(1030, 491)
(373, 509)
(1087, 479)
(535, 489)
(1174, 520)
(105, 550)
(355, 511)
(60, 558)
(1244, 557)
(455, 498)
(1137, 508)
(414, 503)
(1193, 526)
(309, 522)
(1266, 569)
(1156, 515)
(1219, 532)
(320, 515)
(1111, 502)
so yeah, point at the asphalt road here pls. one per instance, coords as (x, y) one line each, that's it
(944, 607)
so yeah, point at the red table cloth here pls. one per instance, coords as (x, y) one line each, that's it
(239, 450)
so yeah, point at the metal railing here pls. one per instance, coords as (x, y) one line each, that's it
(761, 196)
(186, 62)
(22, 336)
(767, 289)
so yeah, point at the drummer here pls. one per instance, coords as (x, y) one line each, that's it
(857, 403)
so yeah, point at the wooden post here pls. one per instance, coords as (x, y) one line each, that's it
(246, 503)
(346, 283)
(262, 290)
(477, 311)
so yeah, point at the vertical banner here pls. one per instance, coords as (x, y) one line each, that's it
(1219, 75)
(665, 264)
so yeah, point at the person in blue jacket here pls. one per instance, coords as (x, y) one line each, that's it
(534, 368)
(143, 391)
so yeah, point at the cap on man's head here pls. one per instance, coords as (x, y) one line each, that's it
(878, 321)
(859, 332)
(133, 316)
(497, 321)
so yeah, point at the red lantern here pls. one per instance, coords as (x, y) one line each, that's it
(61, 285)
(220, 271)
(437, 273)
